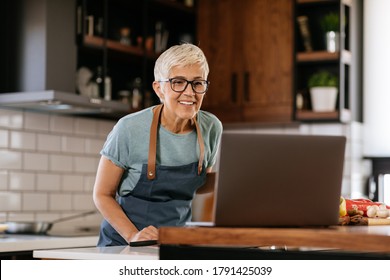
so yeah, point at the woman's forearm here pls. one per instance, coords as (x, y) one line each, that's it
(113, 213)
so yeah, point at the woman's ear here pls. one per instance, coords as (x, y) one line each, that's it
(157, 87)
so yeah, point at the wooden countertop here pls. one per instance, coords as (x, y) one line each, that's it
(347, 238)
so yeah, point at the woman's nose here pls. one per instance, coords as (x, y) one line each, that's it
(189, 91)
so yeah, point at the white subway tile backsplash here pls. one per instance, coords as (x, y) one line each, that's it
(3, 217)
(47, 142)
(270, 131)
(3, 179)
(83, 202)
(85, 164)
(93, 146)
(347, 154)
(61, 163)
(89, 182)
(366, 168)
(10, 160)
(72, 183)
(21, 217)
(21, 181)
(85, 126)
(47, 216)
(11, 118)
(35, 202)
(73, 144)
(291, 131)
(36, 121)
(35, 161)
(60, 202)
(23, 140)
(346, 187)
(48, 182)
(356, 150)
(356, 132)
(305, 129)
(3, 138)
(327, 129)
(104, 127)
(62, 124)
(10, 201)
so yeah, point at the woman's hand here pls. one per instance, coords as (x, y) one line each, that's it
(148, 233)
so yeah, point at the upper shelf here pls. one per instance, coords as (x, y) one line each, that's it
(315, 1)
(99, 42)
(317, 56)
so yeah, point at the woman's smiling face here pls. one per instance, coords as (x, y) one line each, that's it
(183, 106)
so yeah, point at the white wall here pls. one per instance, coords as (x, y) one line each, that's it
(376, 77)
(48, 165)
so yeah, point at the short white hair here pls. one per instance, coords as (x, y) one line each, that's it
(179, 55)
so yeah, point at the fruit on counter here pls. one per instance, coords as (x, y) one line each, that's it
(371, 211)
(375, 211)
(361, 206)
(342, 207)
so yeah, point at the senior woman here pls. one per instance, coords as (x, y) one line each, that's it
(154, 161)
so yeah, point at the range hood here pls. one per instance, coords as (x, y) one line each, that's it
(52, 101)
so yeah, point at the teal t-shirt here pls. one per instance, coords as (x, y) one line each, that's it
(127, 145)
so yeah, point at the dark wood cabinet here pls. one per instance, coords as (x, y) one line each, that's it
(249, 46)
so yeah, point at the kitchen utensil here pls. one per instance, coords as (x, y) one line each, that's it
(39, 227)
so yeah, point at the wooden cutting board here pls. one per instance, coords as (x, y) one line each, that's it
(378, 221)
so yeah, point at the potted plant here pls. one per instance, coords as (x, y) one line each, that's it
(330, 24)
(323, 87)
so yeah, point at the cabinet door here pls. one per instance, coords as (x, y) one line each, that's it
(217, 33)
(267, 61)
(249, 46)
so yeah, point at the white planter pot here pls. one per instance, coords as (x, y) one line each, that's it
(323, 99)
(332, 41)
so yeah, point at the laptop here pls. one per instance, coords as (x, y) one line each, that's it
(278, 180)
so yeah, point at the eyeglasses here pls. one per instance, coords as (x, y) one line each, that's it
(180, 85)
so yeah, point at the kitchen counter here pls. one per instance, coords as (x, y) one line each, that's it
(348, 238)
(19, 242)
(101, 253)
(340, 241)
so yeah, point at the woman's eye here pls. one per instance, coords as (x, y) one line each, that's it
(197, 83)
(178, 82)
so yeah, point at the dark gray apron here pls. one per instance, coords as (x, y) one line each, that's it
(163, 194)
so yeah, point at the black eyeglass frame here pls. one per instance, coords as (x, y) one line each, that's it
(188, 82)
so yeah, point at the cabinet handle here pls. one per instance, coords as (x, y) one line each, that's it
(79, 12)
(233, 86)
(246, 87)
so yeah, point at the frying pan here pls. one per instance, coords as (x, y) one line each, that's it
(39, 227)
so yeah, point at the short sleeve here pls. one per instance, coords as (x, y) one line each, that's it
(116, 147)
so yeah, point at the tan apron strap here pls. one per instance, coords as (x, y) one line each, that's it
(201, 146)
(153, 142)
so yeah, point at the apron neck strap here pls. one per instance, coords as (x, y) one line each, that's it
(153, 143)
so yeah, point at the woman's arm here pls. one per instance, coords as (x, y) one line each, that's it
(107, 180)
